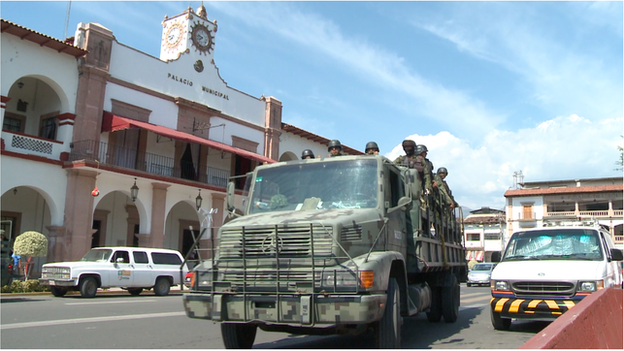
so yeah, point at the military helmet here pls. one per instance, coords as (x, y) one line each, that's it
(409, 142)
(371, 145)
(334, 143)
(442, 170)
(307, 152)
(420, 149)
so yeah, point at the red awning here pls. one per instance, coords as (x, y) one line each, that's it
(112, 123)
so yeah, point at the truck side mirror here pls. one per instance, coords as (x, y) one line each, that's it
(616, 255)
(403, 204)
(230, 196)
(496, 256)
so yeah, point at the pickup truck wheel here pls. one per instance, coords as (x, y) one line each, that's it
(162, 287)
(450, 301)
(435, 314)
(88, 287)
(389, 327)
(498, 322)
(135, 291)
(58, 292)
(238, 336)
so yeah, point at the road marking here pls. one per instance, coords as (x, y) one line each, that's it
(90, 320)
(475, 299)
(107, 302)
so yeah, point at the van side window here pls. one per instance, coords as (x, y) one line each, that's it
(140, 257)
(166, 258)
(121, 254)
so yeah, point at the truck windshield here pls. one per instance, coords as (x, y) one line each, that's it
(96, 255)
(565, 244)
(322, 185)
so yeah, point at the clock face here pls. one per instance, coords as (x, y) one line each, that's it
(173, 36)
(202, 38)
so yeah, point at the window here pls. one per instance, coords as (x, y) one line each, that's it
(473, 237)
(121, 254)
(14, 122)
(140, 257)
(166, 258)
(47, 128)
(492, 236)
(527, 211)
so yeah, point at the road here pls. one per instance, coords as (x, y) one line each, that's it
(121, 321)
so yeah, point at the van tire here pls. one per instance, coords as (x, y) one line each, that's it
(58, 292)
(135, 291)
(88, 287)
(388, 335)
(450, 301)
(498, 322)
(162, 286)
(238, 335)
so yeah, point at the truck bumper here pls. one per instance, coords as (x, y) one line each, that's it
(297, 310)
(543, 309)
(58, 282)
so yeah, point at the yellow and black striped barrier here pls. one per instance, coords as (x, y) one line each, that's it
(551, 307)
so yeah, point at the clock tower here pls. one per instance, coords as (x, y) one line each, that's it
(189, 32)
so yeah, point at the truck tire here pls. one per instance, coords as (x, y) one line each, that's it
(388, 334)
(135, 291)
(450, 301)
(435, 310)
(238, 336)
(498, 322)
(88, 287)
(162, 286)
(57, 291)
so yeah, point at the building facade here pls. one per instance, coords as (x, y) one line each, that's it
(599, 199)
(104, 145)
(483, 231)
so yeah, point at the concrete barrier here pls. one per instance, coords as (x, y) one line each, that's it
(594, 323)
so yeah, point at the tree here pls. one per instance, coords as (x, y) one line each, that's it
(620, 163)
(28, 245)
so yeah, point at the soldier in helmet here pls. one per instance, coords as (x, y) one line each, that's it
(306, 154)
(409, 146)
(447, 195)
(371, 148)
(427, 169)
(335, 148)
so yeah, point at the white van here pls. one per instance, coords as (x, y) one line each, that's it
(130, 268)
(546, 271)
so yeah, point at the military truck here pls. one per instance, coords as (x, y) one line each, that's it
(335, 245)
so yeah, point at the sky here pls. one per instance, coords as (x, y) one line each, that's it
(491, 88)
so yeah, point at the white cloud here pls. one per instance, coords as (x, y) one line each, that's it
(568, 148)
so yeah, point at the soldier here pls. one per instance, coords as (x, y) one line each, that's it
(371, 148)
(306, 154)
(447, 195)
(335, 148)
(427, 169)
(409, 146)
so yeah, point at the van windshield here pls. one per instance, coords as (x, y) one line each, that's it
(316, 185)
(95, 255)
(564, 244)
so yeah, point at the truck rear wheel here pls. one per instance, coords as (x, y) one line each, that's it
(435, 310)
(389, 327)
(450, 301)
(238, 336)
(162, 286)
(498, 322)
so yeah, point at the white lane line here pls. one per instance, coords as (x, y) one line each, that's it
(106, 302)
(89, 320)
(475, 299)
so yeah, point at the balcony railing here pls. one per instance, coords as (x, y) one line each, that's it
(124, 157)
(595, 214)
(33, 145)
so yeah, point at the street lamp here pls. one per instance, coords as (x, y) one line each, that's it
(198, 200)
(134, 191)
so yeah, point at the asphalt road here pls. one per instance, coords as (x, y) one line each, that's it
(121, 321)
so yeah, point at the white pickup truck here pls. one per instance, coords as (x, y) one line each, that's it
(130, 268)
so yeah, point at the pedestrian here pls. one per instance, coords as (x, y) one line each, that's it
(16, 262)
(307, 154)
(335, 148)
(371, 148)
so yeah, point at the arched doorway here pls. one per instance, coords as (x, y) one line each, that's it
(116, 221)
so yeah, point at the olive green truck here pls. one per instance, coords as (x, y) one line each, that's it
(337, 245)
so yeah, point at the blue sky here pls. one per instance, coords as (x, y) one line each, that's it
(489, 87)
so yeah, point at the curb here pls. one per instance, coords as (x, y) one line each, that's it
(174, 289)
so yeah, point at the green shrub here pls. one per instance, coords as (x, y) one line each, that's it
(19, 286)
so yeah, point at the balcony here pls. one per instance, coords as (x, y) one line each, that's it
(32, 145)
(107, 154)
(587, 214)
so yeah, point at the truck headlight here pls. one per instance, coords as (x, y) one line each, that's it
(499, 285)
(339, 279)
(590, 286)
(204, 278)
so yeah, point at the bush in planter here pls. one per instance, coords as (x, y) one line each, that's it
(28, 245)
(19, 286)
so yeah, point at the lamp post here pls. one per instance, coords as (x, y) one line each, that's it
(134, 191)
(198, 200)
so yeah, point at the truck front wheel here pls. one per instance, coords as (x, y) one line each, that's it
(389, 327)
(88, 287)
(238, 336)
(498, 322)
